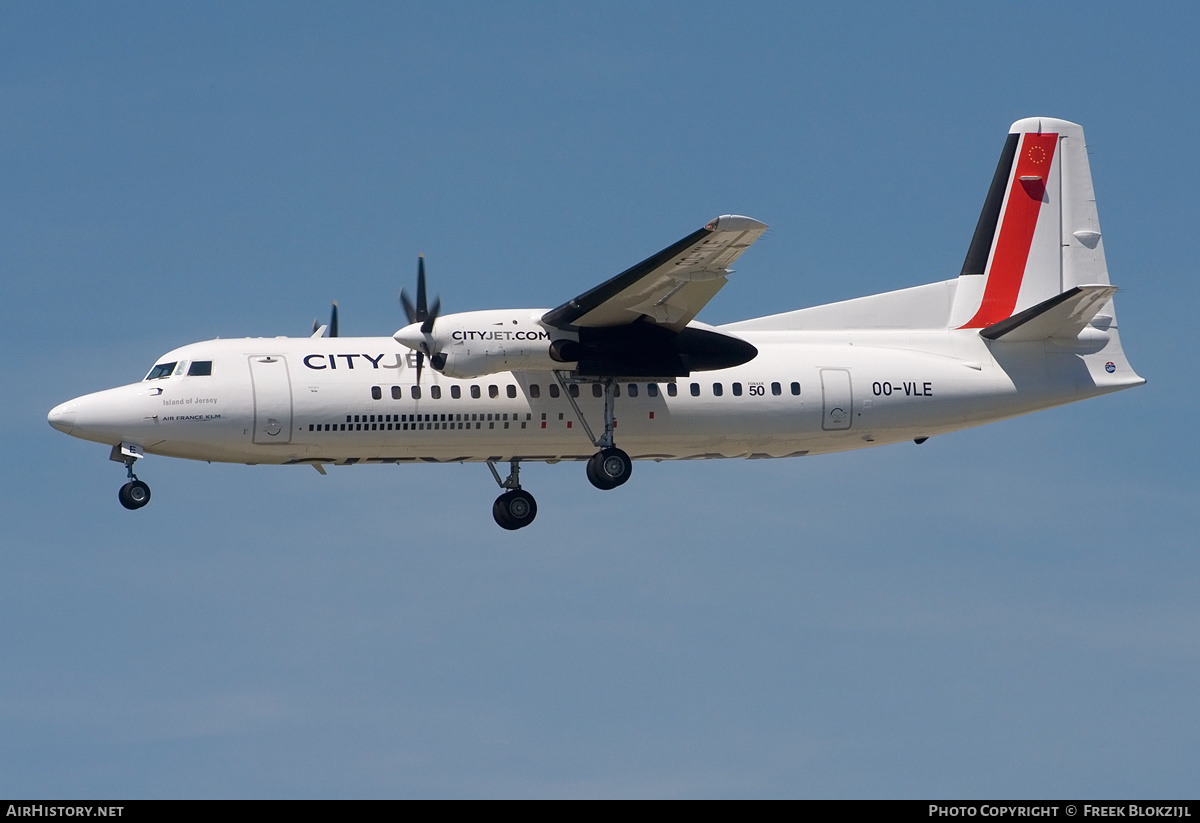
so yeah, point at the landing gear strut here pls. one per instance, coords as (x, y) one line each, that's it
(516, 508)
(609, 467)
(134, 494)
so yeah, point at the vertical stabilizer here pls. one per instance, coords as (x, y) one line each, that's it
(1038, 234)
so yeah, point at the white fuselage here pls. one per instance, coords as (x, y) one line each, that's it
(350, 400)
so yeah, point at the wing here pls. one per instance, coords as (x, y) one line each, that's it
(668, 289)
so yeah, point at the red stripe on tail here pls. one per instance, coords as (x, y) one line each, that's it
(1020, 218)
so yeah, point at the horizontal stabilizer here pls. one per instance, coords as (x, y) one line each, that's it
(1063, 315)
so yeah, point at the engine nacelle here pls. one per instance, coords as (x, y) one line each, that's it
(462, 363)
(472, 344)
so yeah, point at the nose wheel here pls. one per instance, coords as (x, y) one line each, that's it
(134, 494)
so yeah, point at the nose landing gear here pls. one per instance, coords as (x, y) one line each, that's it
(134, 494)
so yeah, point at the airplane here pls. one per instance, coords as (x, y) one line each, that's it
(1027, 324)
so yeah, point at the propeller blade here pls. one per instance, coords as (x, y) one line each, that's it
(333, 320)
(316, 325)
(425, 314)
(427, 324)
(409, 310)
(422, 311)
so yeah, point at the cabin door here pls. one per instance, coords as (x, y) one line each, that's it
(837, 401)
(272, 399)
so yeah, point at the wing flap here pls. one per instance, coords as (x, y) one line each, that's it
(669, 288)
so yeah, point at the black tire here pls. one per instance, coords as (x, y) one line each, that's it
(609, 468)
(514, 509)
(134, 494)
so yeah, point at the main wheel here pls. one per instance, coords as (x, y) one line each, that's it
(609, 468)
(134, 494)
(514, 509)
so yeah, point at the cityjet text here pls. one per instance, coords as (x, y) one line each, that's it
(499, 335)
(346, 361)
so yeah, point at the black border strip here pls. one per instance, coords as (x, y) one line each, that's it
(985, 229)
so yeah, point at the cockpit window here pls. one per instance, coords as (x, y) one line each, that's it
(161, 370)
(200, 368)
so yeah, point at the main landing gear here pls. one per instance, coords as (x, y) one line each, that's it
(134, 494)
(516, 508)
(610, 467)
(606, 469)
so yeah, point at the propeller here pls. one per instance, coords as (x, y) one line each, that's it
(421, 313)
(318, 329)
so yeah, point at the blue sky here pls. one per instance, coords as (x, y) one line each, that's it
(1003, 612)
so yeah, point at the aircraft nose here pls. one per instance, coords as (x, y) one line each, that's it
(62, 417)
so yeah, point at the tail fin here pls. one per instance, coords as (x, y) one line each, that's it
(1038, 235)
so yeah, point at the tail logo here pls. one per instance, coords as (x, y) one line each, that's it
(1110, 367)
(1006, 270)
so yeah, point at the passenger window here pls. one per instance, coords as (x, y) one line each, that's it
(161, 370)
(616, 389)
(554, 392)
(597, 390)
(493, 392)
(652, 390)
(511, 391)
(535, 391)
(573, 389)
(718, 390)
(456, 392)
(695, 390)
(672, 389)
(200, 368)
(376, 393)
(737, 389)
(475, 392)
(396, 392)
(776, 389)
(435, 392)
(633, 390)
(416, 392)
(795, 388)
